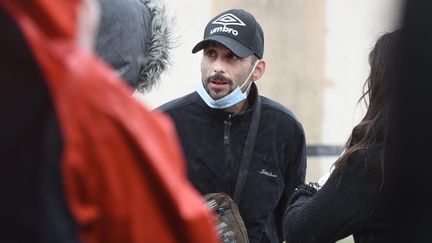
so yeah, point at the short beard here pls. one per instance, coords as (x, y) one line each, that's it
(217, 95)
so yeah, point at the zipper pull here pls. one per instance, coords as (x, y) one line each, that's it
(227, 127)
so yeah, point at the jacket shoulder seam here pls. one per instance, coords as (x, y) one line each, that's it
(178, 103)
(271, 104)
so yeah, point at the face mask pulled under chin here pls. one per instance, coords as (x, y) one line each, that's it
(229, 100)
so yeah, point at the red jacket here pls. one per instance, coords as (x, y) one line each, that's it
(122, 170)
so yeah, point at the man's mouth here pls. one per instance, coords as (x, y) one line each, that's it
(218, 82)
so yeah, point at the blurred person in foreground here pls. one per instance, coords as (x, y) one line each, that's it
(215, 123)
(352, 200)
(410, 142)
(80, 160)
(135, 37)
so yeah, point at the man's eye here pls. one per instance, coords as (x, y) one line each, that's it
(210, 53)
(233, 57)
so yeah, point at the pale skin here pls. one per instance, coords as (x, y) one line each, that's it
(88, 21)
(222, 71)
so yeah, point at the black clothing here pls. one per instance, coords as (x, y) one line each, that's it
(34, 206)
(350, 202)
(213, 142)
(408, 148)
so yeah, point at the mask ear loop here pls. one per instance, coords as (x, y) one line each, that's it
(247, 79)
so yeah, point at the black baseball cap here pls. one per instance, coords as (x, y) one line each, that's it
(237, 30)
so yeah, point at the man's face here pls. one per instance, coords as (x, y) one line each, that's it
(222, 71)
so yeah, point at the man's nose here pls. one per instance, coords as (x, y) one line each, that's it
(219, 66)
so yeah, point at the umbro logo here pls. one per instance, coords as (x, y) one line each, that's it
(227, 19)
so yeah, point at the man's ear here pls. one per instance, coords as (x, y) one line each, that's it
(259, 70)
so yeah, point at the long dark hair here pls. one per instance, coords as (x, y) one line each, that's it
(377, 95)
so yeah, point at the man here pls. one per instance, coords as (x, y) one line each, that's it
(80, 159)
(214, 121)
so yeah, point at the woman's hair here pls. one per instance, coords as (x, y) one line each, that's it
(377, 95)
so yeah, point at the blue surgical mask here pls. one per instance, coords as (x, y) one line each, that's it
(229, 100)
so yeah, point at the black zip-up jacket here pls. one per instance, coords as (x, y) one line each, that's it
(213, 142)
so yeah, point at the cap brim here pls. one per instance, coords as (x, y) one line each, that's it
(236, 47)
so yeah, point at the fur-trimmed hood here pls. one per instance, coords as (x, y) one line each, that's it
(135, 38)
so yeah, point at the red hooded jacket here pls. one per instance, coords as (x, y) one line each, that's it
(121, 174)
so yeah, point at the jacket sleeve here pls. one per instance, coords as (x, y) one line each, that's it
(296, 172)
(339, 209)
(293, 177)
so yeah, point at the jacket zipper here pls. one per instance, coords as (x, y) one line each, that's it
(228, 158)
(227, 128)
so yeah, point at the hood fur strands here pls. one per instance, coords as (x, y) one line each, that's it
(160, 44)
(135, 37)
